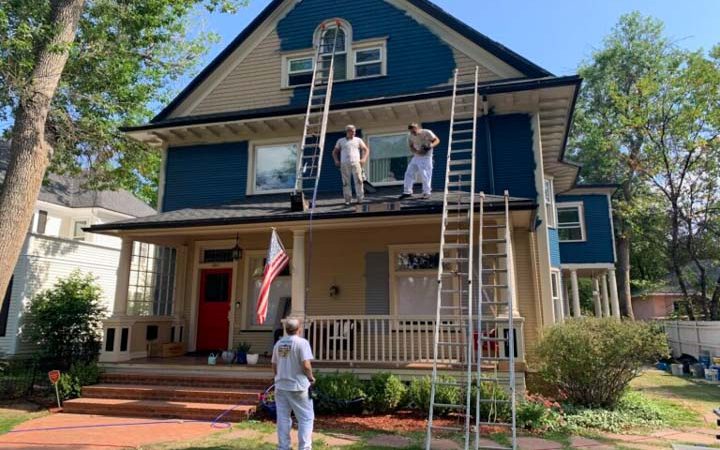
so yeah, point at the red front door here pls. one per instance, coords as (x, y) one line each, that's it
(213, 325)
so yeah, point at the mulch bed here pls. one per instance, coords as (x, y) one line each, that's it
(399, 422)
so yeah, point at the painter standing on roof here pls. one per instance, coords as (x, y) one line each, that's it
(291, 362)
(350, 155)
(421, 142)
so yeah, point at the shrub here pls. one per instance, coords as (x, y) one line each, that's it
(385, 392)
(537, 413)
(17, 378)
(491, 411)
(80, 374)
(342, 392)
(419, 394)
(591, 361)
(65, 321)
(632, 410)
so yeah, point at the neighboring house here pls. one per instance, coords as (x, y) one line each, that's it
(56, 245)
(365, 282)
(658, 304)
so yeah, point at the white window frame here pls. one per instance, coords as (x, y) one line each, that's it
(549, 202)
(289, 72)
(393, 251)
(369, 46)
(84, 237)
(248, 256)
(381, 133)
(557, 276)
(251, 165)
(581, 216)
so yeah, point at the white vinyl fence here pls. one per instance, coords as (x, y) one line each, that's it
(693, 338)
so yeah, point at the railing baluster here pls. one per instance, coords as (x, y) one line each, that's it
(382, 342)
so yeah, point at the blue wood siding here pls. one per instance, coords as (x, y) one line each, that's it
(406, 38)
(598, 247)
(205, 175)
(554, 240)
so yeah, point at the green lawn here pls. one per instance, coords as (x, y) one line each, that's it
(12, 415)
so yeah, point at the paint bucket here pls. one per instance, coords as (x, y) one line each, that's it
(711, 374)
(705, 360)
(676, 369)
(716, 361)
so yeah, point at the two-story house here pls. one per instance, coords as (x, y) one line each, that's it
(56, 245)
(229, 142)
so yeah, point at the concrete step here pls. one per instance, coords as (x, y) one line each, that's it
(157, 409)
(173, 393)
(215, 381)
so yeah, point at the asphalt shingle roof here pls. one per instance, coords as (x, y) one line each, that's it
(69, 192)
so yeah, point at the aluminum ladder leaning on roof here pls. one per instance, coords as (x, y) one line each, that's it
(310, 155)
(453, 335)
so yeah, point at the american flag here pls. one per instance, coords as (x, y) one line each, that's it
(277, 260)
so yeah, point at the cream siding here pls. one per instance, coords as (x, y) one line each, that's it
(42, 262)
(253, 83)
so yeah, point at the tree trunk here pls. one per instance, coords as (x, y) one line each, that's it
(29, 151)
(623, 247)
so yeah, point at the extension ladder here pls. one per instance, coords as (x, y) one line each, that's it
(310, 155)
(495, 327)
(453, 322)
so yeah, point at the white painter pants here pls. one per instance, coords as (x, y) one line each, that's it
(349, 171)
(422, 165)
(300, 403)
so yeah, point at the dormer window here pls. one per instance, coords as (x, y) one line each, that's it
(353, 60)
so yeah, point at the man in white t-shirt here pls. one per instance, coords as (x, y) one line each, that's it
(291, 362)
(421, 142)
(350, 155)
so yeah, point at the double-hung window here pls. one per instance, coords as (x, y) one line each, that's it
(326, 43)
(300, 71)
(274, 167)
(389, 157)
(368, 62)
(571, 226)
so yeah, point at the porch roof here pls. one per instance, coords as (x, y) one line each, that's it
(276, 208)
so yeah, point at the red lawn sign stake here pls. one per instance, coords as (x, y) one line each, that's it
(54, 376)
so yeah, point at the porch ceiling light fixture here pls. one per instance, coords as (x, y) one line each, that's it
(237, 251)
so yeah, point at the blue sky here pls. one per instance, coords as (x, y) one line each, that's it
(555, 34)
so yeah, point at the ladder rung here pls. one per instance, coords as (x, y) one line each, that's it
(463, 150)
(455, 260)
(493, 226)
(463, 122)
(496, 424)
(448, 405)
(459, 183)
(462, 141)
(485, 303)
(456, 173)
(484, 339)
(495, 255)
(460, 207)
(456, 246)
(457, 232)
(491, 400)
(445, 428)
(454, 274)
(455, 218)
(460, 162)
(494, 270)
(494, 241)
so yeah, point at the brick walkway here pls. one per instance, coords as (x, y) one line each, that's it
(102, 435)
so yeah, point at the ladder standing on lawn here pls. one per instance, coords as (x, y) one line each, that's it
(453, 324)
(496, 292)
(309, 158)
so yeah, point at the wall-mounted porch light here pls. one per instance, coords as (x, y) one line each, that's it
(237, 251)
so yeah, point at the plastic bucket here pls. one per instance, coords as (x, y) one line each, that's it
(676, 369)
(697, 370)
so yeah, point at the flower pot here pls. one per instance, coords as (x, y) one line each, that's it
(241, 358)
(252, 358)
(228, 356)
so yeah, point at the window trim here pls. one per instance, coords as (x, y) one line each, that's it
(557, 275)
(244, 315)
(351, 48)
(42, 217)
(356, 64)
(581, 216)
(551, 212)
(289, 72)
(252, 147)
(393, 250)
(74, 221)
(380, 133)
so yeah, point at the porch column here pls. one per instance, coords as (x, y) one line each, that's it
(604, 292)
(614, 303)
(298, 275)
(596, 296)
(123, 278)
(575, 293)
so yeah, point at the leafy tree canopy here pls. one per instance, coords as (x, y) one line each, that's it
(124, 61)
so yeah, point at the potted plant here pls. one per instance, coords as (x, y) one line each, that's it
(252, 358)
(242, 351)
(228, 356)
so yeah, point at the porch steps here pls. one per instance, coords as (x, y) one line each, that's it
(157, 409)
(186, 396)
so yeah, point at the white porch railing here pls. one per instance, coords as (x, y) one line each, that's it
(394, 340)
